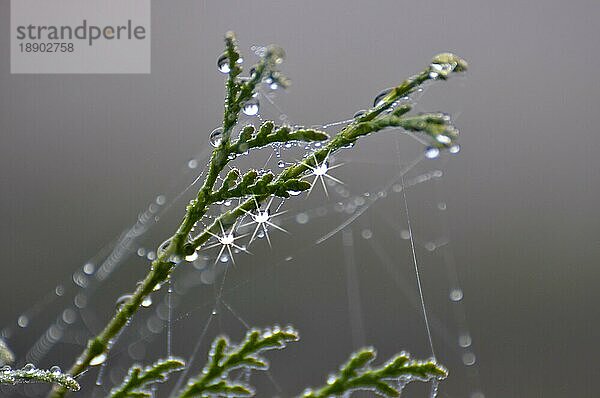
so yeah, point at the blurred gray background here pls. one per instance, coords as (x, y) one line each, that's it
(82, 155)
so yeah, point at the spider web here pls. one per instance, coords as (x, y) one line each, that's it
(207, 291)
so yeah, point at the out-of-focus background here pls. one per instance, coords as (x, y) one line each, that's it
(512, 220)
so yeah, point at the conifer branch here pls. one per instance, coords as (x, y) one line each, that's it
(255, 187)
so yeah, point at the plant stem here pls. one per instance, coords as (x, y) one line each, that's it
(179, 244)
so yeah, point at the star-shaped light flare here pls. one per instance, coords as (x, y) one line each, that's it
(227, 240)
(320, 172)
(262, 220)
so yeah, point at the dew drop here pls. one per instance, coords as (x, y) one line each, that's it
(56, 370)
(440, 69)
(456, 294)
(161, 200)
(454, 149)
(432, 152)
(191, 257)
(98, 360)
(294, 193)
(122, 300)
(251, 107)
(29, 367)
(192, 164)
(359, 113)
(223, 63)
(405, 234)
(214, 312)
(60, 290)
(23, 321)
(321, 169)
(147, 302)
(261, 216)
(444, 139)
(379, 98)
(216, 136)
(281, 164)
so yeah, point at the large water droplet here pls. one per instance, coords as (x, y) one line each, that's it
(29, 367)
(454, 149)
(440, 69)
(223, 64)
(432, 152)
(444, 139)
(379, 98)
(216, 136)
(147, 302)
(56, 370)
(251, 107)
(98, 360)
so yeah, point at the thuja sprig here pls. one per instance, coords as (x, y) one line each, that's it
(30, 374)
(255, 187)
(358, 374)
(224, 357)
(139, 380)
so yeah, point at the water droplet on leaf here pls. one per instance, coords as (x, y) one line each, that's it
(379, 98)
(216, 136)
(147, 302)
(98, 360)
(251, 107)
(432, 152)
(122, 300)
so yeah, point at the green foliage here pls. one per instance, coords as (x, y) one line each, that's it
(30, 374)
(254, 187)
(225, 357)
(357, 374)
(139, 380)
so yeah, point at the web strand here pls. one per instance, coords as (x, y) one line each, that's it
(416, 266)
